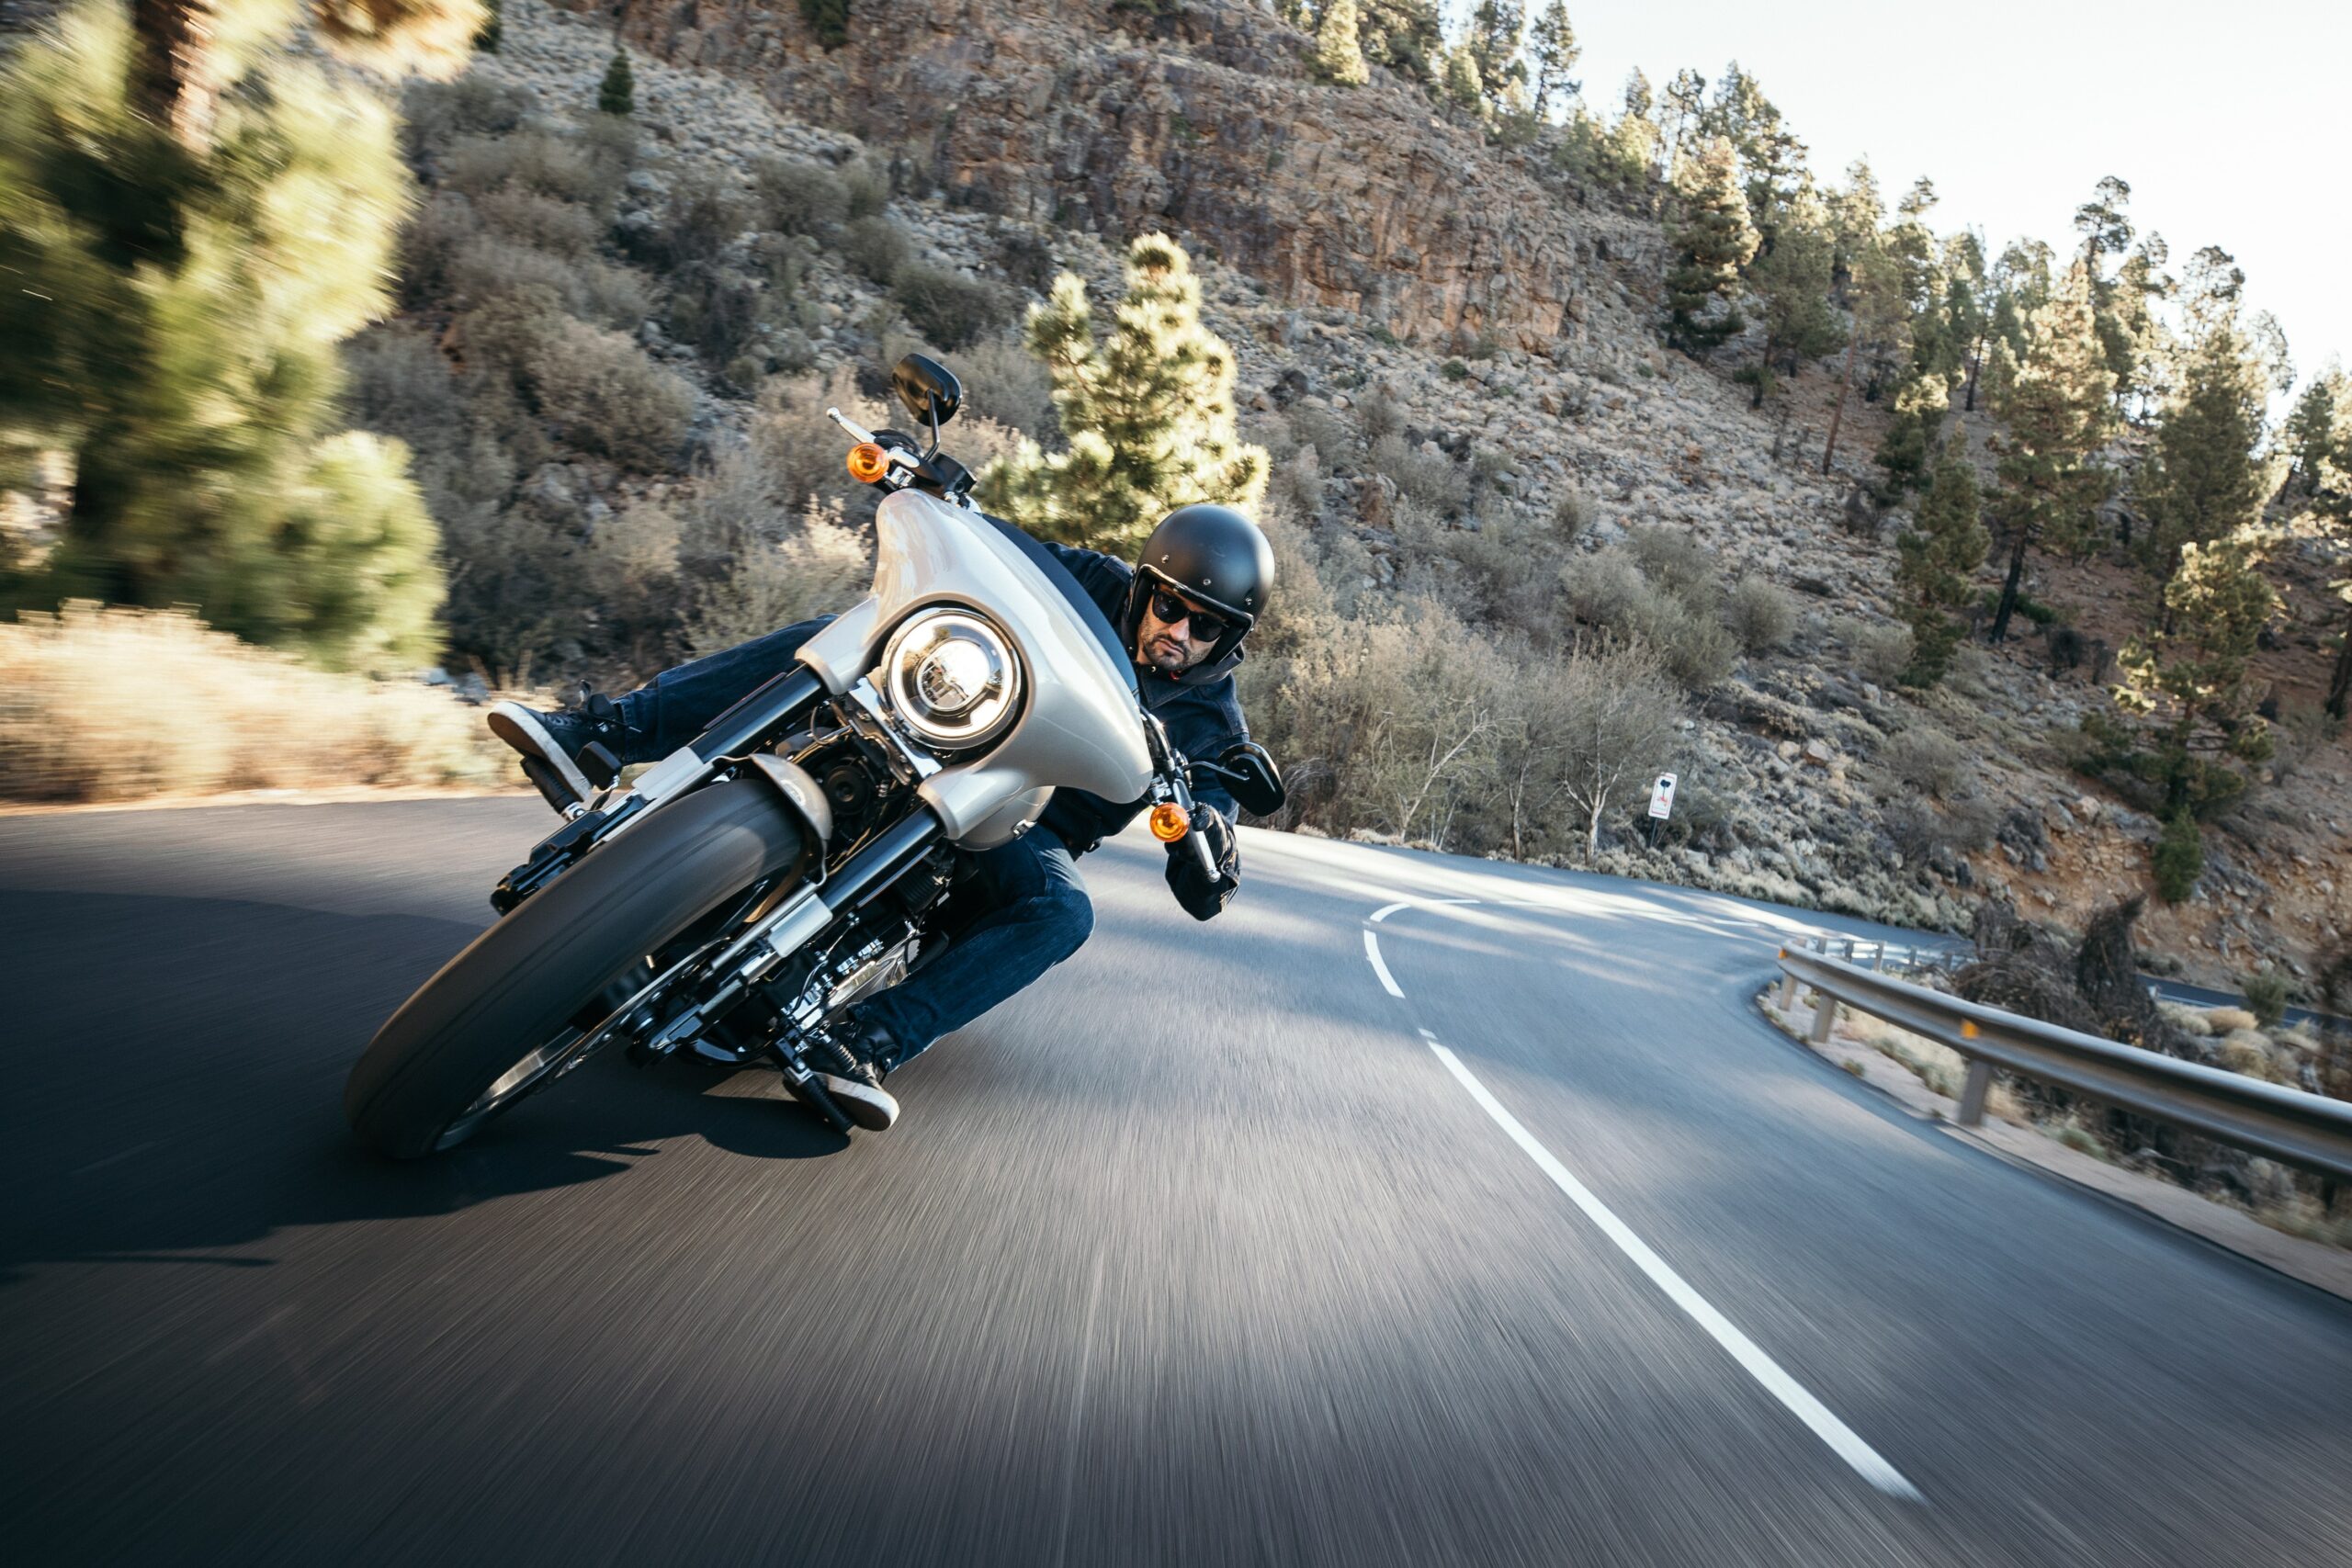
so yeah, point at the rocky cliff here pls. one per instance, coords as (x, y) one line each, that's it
(1205, 122)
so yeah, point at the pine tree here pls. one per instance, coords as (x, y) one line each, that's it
(2206, 476)
(1793, 282)
(2054, 407)
(1147, 409)
(1633, 140)
(1771, 155)
(183, 280)
(1339, 47)
(1685, 100)
(616, 94)
(1462, 86)
(2187, 678)
(1936, 559)
(1875, 295)
(828, 22)
(1406, 35)
(2324, 456)
(1553, 40)
(2320, 416)
(1904, 452)
(2179, 858)
(1492, 42)
(1713, 239)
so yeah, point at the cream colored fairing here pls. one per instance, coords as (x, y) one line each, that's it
(1080, 728)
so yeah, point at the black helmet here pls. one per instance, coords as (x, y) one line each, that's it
(1215, 557)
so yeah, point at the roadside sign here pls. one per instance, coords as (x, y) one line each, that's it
(1662, 796)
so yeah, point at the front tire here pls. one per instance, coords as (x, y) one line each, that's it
(506, 1001)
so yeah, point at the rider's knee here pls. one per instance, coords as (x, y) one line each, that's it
(1071, 913)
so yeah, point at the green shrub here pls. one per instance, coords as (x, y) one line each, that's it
(800, 197)
(946, 307)
(535, 157)
(716, 312)
(1008, 384)
(867, 186)
(433, 114)
(616, 94)
(1427, 479)
(2179, 858)
(1674, 560)
(827, 20)
(541, 222)
(2266, 997)
(1760, 615)
(603, 395)
(1454, 370)
(874, 247)
(1884, 652)
(1571, 515)
(1924, 759)
(486, 269)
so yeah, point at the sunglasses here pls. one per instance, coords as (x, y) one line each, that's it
(1173, 612)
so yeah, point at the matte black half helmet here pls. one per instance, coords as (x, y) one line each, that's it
(1216, 557)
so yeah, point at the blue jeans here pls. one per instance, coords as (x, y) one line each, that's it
(1038, 911)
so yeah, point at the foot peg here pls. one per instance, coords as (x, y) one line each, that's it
(552, 788)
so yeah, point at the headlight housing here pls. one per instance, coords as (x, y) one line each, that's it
(952, 678)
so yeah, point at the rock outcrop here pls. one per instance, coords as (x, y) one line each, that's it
(1203, 122)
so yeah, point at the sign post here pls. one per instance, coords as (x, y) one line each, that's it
(1661, 803)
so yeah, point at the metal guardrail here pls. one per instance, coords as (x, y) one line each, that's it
(2307, 1130)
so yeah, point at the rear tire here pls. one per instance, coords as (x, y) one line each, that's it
(516, 986)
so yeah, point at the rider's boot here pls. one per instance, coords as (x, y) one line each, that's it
(861, 1055)
(570, 755)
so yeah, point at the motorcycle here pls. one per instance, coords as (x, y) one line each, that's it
(803, 851)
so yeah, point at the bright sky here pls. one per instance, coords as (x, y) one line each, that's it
(2227, 116)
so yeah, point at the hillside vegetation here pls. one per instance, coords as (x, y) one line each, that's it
(1596, 439)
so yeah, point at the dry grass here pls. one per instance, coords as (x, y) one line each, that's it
(100, 705)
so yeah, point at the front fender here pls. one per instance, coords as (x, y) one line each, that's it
(801, 793)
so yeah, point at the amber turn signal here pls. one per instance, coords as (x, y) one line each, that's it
(1169, 822)
(868, 462)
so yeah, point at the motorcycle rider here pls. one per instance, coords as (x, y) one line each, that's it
(1200, 583)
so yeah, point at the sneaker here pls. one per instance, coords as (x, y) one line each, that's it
(557, 741)
(862, 1097)
(861, 1054)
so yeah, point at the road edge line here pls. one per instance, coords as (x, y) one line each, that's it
(1823, 1422)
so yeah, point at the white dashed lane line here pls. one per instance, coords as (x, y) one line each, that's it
(1824, 1423)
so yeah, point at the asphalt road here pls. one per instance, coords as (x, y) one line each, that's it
(1199, 1252)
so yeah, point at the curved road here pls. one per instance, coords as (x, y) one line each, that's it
(1528, 1244)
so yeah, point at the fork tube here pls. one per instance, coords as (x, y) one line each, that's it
(750, 720)
(882, 861)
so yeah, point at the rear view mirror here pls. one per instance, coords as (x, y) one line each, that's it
(929, 389)
(1254, 780)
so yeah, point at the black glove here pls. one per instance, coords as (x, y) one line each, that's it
(1203, 896)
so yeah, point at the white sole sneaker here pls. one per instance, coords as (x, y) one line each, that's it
(521, 728)
(874, 1109)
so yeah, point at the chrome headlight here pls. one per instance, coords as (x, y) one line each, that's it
(952, 678)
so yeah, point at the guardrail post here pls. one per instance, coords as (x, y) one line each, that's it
(1787, 992)
(1973, 1092)
(1824, 1013)
(1878, 957)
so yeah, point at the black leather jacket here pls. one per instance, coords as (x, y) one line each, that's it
(1203, 716)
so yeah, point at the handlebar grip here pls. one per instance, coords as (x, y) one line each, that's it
(1201, 848)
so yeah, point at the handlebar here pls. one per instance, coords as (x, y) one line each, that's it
(1175, 782)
